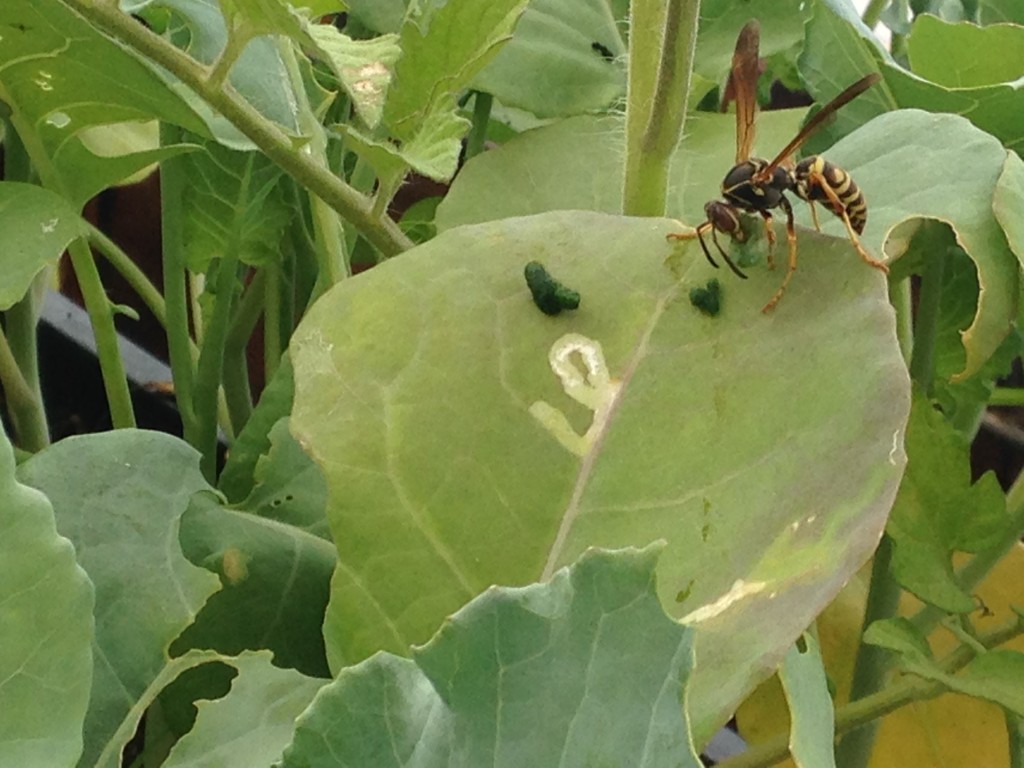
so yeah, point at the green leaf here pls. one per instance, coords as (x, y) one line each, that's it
(363, 67)
(1008, 203)
(235, 207)
(577, 164)
(46, 631)
(561, 61)
(937, 511)
(259, 75)
(965, 55)
(36, 226)
(810, 706)
(118, 497)
(464, 444)
(996, 676)
(252, 18)
(250, 726)
(444, 46)
(900, 635)
(993, 108)
(60, 76)
(583, 670)
(782, 29)
(1000, 12)
(238, 476)
(379, 15)
(275, 573)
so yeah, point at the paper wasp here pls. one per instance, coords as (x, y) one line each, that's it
(757, 186)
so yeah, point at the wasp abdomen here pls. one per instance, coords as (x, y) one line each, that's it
(814, 171)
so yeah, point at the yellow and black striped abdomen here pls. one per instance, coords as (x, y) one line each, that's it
(814, 172)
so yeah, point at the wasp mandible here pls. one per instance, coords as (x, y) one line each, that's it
(758, 186)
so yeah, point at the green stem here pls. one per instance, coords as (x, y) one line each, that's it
(656, 100)
(101, 315)
(30, 422)
(383, 233)
(211, 366)
(856, 714)
(1015, 737)
(1007, 396)
(130, 271)
(272, 320)
(929, 306)
(236, 365)
(24, 404)
(221, 68)
(179, 339)
(873, 12)
(872, 663)
(482, 103)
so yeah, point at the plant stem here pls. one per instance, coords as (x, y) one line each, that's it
(101, 315)
(211, 366)
(383, 233)
(30, 423)
(23, 402)
(1007, 396)
(856, 714)
(656, 100)
(481, 115)
(236, 368)
(929, 305)
(179, 339)
(872, 663)
(1015, 737)
(130, 271)
(272, 325)
(873, 12)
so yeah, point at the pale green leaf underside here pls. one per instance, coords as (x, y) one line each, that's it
(363, 67)
(583, 670)
(755, 435)
(811, 714)
(118, 497)
(46, 631)
(251, 726)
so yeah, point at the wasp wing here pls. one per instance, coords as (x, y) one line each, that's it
(742, 86)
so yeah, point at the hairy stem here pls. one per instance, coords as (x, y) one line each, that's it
(656, 100)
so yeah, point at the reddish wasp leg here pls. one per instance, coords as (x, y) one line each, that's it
(769, 231)
(791, 266)
(837, 205)
(689, 235)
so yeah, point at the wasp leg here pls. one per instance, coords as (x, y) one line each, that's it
(769, 231)
(814, 215)
(699, 234)
(714, 237)
(791, 267)
(837, 205)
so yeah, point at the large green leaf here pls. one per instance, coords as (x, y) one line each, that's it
(561, 60)
(251, 726)
(61, 77)
(46, 631)
(448, 473)
(36, 226)
(583, 670)
(118, 497)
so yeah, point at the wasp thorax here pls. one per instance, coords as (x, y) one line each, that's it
(740, 187)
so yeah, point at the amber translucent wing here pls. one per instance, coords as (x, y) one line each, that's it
(743, 87)
(815, 122)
